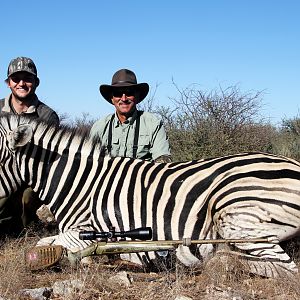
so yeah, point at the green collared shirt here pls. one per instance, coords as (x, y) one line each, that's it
(152, 138)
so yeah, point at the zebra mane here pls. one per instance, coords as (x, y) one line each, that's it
(48, 131)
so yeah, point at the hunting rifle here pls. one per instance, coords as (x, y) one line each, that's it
(112, 242)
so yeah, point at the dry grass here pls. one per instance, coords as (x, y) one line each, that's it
(218, 280)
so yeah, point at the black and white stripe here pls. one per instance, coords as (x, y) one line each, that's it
(248, 195)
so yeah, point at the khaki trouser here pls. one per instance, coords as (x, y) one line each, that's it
(18, 211)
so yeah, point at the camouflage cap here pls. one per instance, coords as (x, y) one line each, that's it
(21, 64)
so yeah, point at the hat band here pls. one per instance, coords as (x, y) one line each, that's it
(124, 82)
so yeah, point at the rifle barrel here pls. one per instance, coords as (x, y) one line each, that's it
(208, 241)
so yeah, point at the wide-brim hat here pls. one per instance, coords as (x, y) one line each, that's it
(124, 78)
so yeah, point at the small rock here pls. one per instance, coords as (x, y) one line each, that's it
(121, 278)
(42, 293)
(67, 287)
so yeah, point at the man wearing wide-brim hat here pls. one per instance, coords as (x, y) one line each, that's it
(130, 132)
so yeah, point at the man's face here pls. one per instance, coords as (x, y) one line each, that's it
(124, 100)
(22, 84)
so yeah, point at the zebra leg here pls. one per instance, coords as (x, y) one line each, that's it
(30, 203)
(68, 239)
(196, 257)
(268, 260)
(264, 259)
(47, 241)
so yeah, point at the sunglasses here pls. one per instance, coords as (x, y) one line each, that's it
(127, 92)
(17, 78)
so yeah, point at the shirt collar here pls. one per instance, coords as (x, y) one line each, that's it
(129, 121)
(9, 108)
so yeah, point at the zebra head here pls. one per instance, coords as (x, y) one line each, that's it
(12, 136)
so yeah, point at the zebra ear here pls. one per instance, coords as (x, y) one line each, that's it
(20, 136)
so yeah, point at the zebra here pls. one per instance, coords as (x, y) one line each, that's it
(245, 195)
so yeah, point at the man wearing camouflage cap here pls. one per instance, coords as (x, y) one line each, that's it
(19, 209)
(22, 80)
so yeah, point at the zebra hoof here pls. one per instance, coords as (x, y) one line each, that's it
(41, 257)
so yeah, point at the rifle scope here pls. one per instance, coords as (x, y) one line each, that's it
(143, 233)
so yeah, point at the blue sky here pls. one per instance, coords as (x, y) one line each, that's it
(78, 45)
